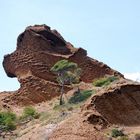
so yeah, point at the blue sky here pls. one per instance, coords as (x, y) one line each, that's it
(108, 29)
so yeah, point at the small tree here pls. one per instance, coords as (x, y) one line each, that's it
(67, 73)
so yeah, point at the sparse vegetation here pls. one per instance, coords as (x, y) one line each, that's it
(116, 133)
(67, 107)
(80, 96)
(29, 112)
(68, 73)
(104, 81)
(7, 121)
(63, 107)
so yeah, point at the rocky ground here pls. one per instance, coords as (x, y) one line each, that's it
(82, 121)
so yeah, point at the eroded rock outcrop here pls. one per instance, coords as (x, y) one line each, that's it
(38, 49)
(118, 104)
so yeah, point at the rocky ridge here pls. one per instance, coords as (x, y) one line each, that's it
(38, 49)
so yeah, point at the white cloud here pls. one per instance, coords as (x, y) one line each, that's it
(133, 76)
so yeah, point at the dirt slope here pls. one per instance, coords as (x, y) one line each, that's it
(115, 105)
(76, 128)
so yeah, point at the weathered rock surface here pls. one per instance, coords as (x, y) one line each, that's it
(118, 104)
(34, 90)
(38, 49)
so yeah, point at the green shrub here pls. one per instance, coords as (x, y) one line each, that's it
(10, 124)
(112, 78)
(104, 81)
(79, 97)
(116, 133)
(7, 121)
(29, 111)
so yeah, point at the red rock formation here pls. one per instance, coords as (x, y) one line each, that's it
(117, 105)
(38, 49)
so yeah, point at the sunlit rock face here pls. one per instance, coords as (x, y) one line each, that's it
(118, 104)
(38, 49)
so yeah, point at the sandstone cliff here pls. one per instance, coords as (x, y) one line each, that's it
(38, 49)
